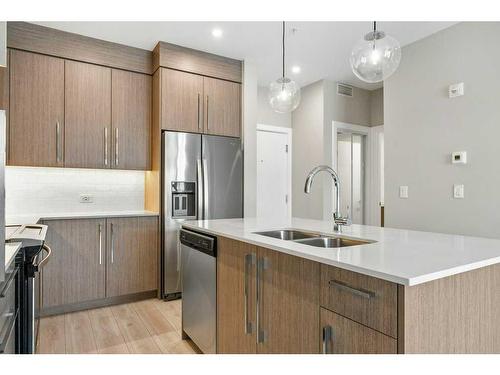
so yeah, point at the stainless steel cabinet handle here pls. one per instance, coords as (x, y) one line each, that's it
(346, 288)
(327, 338)
(249, 261)
(100, 243)
(58, 142)
(116, 147)
(199, 183)
(8, 327)
(262, 264)
(199, 116)
(208, 115)
(112, 243)
(105, 146)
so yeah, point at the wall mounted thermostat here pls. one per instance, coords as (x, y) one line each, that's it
(457, 89)
(459, 157)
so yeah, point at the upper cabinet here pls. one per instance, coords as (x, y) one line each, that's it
(222, 107)
(36, 131)
(197, 104)
(181, 101)
(87, 116)
(131, 120)
(66, 113)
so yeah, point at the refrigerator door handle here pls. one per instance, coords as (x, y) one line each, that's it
(199, 182)
(205, 190)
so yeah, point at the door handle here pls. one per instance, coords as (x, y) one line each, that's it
(206, 207)
(249, 261)
(116, 147)
(327, 338)
(112, 243)
(199, 182)
(262, 264)
(99, 229)
(58, 142)
(106, 146)
(208, 116)
(199, 115)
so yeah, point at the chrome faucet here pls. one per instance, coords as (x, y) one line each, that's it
(338, 219)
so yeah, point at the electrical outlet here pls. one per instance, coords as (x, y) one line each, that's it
(458, 191)
(86, 198)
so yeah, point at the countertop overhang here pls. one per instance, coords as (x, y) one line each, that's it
(402, 256)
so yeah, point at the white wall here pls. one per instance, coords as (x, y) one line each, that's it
(377, 107)
(307, 151)
(423, 126)
(57, 190)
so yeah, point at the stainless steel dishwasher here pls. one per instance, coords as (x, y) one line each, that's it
(199, 292)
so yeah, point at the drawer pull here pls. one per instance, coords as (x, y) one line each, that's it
(346, 288)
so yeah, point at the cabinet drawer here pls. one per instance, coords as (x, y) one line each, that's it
(343, 336)
(365, 299)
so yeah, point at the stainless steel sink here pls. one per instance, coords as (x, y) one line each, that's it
(288, 234)
(331, 242)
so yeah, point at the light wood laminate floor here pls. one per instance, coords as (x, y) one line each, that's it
(146, 327)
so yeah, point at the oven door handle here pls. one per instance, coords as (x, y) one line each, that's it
(44, 260)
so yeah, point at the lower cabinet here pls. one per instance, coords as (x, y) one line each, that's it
(76, 270)
(267, 301)
(340, 335)
(131, 256)
(93, 259)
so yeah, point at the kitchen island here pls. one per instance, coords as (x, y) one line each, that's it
(401, 292)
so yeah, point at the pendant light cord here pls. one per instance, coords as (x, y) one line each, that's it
(283, 45)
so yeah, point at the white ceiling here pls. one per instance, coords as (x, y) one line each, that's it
(321, 49)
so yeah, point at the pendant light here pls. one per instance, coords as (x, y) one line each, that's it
(284, 93)
(376, 57)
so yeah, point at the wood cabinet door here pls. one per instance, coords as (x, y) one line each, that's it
(222, 107)
(181, 101)
(88, 115)
(75, 271)
(340, 335)
(131, 120)
(236, 314)
(132, 255)
(288, 295)
(36, 110)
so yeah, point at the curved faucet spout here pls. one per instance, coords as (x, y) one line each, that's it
(339, 220)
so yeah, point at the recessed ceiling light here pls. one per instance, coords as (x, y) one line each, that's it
(296, 69)
(217, 33)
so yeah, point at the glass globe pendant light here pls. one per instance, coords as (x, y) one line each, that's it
(284, 93)
(376, 57)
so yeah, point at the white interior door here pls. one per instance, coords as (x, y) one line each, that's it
(273, 175)
(351, 172)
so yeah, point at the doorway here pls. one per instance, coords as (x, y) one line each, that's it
(351, 170)
(274, 172)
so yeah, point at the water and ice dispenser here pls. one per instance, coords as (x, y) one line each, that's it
(183, 199)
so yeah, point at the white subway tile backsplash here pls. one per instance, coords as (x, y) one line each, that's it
(45, 190)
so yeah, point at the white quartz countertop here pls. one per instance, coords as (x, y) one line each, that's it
(402, 256)
(35, 218)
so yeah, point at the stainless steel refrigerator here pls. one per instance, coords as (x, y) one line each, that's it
(202, 179)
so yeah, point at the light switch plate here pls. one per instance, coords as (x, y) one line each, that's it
(403, 192)
(459, 157)
(458, 191)
(86, 198)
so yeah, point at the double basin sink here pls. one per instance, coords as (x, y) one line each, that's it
(313, 239)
